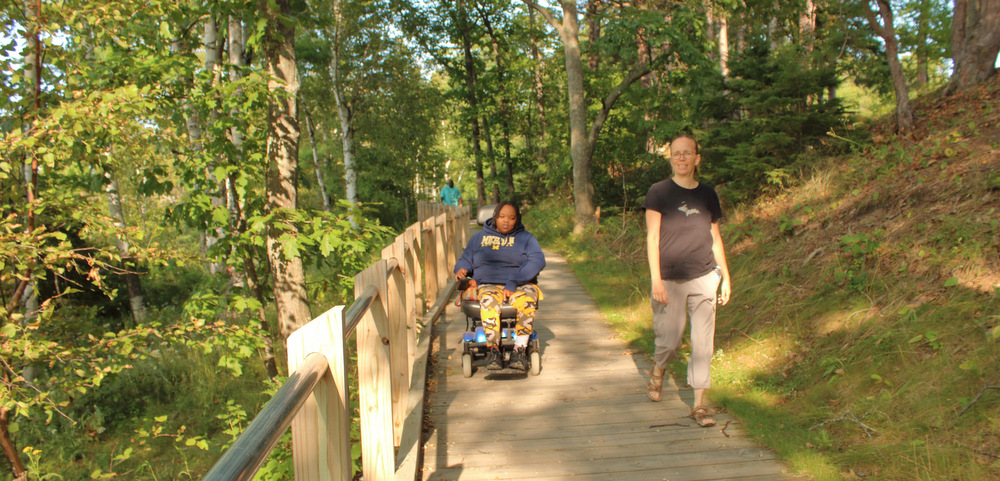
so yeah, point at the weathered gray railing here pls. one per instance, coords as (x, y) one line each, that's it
(391, 311)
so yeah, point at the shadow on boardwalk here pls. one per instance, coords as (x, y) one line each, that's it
(584, 417)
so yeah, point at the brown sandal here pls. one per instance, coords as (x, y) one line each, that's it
(655, 385)
(703, 416)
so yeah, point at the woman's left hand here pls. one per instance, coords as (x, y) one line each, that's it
(507, 294)
(724, 292)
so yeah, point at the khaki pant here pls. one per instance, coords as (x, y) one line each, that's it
(693, 299)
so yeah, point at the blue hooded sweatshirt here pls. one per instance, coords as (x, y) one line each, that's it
(511, 260)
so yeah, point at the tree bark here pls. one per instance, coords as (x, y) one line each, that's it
(582, 142)
(132, 281)
(291, 300)
(723, 42)
(492, 159)
(345, 110)
(594, 24)
(921, 52)
(320, 182)
(539, 87)
(975, 42)
(504, 106)
(583, 186)
(472, 96)
(904, 114)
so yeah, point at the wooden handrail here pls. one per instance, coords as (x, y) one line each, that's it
(242, 460)
(358, 308)
(394, 298)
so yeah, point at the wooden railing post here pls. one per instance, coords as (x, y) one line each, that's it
(321, 430)
(398, 342)
(430, 253)
(441, 254)
(374, 382)
(414, 308)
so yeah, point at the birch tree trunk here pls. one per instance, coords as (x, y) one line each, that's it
(885, 29)
(291, 299)
(25, 293)
(320, 182)
(132, 281)
(213, 53)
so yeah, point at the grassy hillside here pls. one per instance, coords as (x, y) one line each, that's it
(863, 338)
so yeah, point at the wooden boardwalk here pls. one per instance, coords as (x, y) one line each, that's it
(584, 417)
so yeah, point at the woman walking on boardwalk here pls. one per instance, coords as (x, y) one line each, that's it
(687, 263)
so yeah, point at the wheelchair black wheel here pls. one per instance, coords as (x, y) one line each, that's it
(467, 365)
(536, 362)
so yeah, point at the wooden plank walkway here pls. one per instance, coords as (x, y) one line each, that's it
(584, 417)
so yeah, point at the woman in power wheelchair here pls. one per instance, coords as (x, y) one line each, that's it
(503, 261)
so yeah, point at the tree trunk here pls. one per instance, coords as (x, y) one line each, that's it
(504, 106)
(132, 281)
(583, 186)
(594, 24)
(975, 42)
(213, 53)
(582, 142)
(492, 159)
(346, 116)
(539, 87)
(723, 41)
(320, 182)
(291, 300)
(923, 25)
(470, 89)
(904, 114)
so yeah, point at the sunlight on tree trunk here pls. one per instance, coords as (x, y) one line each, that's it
(291, 300)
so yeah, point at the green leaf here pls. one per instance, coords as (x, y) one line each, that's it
(160, 419)
(916, 339)
(968, 365)
(8, 330)
(951, 282)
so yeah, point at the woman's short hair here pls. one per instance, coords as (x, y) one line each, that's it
(517, 210)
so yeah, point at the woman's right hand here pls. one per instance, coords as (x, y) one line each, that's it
(460, 274)
(659, 291)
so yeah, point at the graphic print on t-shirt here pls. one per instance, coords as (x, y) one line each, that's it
(686, 210)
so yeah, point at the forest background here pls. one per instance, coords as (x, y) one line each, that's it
(167, 165)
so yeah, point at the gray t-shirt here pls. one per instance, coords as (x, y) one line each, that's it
(686, 217)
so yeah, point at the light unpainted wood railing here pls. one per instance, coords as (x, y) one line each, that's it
(396, 300)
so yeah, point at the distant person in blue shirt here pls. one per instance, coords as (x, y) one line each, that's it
(450, 195)
(504, 260)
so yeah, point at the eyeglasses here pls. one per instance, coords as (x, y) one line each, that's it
(681, 155)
